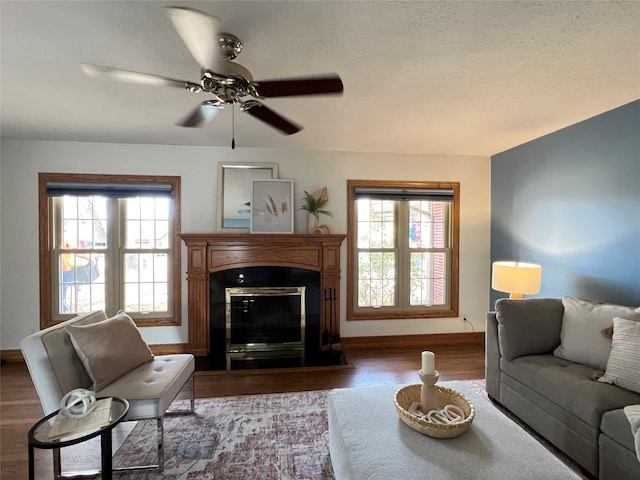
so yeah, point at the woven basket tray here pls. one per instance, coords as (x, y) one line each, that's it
(446, 396)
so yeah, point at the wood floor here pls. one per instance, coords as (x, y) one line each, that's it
(20, 407)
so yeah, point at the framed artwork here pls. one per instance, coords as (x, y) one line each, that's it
(272, 206)
(234, 192)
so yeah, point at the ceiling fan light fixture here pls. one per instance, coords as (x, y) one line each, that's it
(230, 45)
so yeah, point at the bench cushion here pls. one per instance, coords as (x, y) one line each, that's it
(151, 387)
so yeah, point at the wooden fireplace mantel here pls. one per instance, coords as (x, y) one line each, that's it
(209, 253)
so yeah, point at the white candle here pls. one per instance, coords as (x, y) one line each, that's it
(428, 363)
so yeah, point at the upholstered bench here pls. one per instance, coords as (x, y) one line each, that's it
(367, 440)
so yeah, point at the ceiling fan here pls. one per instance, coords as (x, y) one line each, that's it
(227, 81)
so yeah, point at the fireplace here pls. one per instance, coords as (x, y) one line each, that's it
(218, 262)
(264, 316)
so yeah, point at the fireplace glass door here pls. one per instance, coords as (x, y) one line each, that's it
(264, 322)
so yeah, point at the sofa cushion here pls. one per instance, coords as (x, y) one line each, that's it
(623, 367)
(570, 386)
(582, 323)
(616, 426)
(527, 327)
(632, 412)
(110, 348)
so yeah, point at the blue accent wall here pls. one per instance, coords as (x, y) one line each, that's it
(570, 201)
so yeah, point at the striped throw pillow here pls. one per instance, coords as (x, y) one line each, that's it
(623, 367)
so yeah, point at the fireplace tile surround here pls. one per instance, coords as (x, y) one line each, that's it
(209, 253)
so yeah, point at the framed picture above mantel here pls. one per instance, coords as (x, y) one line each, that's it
(234, 193)
(272, 206)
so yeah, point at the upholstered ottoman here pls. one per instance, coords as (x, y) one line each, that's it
(367, 440)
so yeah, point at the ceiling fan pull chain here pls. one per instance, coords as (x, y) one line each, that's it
(233, 126)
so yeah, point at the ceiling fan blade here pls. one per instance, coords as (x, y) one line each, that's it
(270, 117)
(300, 86)
(205, 112)
(199, 32)
(136, 77)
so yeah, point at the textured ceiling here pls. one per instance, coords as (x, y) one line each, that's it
(458, 78)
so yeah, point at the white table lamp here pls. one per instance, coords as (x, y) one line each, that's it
(516, 278)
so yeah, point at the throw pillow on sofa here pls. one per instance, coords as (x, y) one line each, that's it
(520, 331)
(623, 367)
(110, 348)
(581, 340)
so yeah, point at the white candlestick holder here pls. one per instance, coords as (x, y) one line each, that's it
(428, 391)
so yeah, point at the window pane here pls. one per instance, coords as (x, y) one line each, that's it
(145, 267)
(84, 222)
(146, 297)
(427, 222)
(81, 285)
(146, 282)
(162, 208)
(440, 273)
(131, 297)
(160, 267)
(376, 279)
(376, 223)
(133, 208)
(428, 278)
(162, 234)
(160, 297)
(147, 236)
(80, 267)
(133, 234)
(131, 267)
(147, 223)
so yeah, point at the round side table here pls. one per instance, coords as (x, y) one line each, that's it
(39, 438)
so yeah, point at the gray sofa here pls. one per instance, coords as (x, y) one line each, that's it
(557, 397)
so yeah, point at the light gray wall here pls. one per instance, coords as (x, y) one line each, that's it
(22, 160)
(570, 201)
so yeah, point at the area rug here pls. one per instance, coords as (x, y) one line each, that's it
(281, 436)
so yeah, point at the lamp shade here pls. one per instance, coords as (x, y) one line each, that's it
(516, 278)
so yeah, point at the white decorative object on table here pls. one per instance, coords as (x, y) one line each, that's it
(449, 414)
(78, 403)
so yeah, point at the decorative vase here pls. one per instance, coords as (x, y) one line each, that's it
(312, 223)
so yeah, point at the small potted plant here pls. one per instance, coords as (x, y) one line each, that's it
(313, 203)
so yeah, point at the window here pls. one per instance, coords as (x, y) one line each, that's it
(402, 249)
(109, 243)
